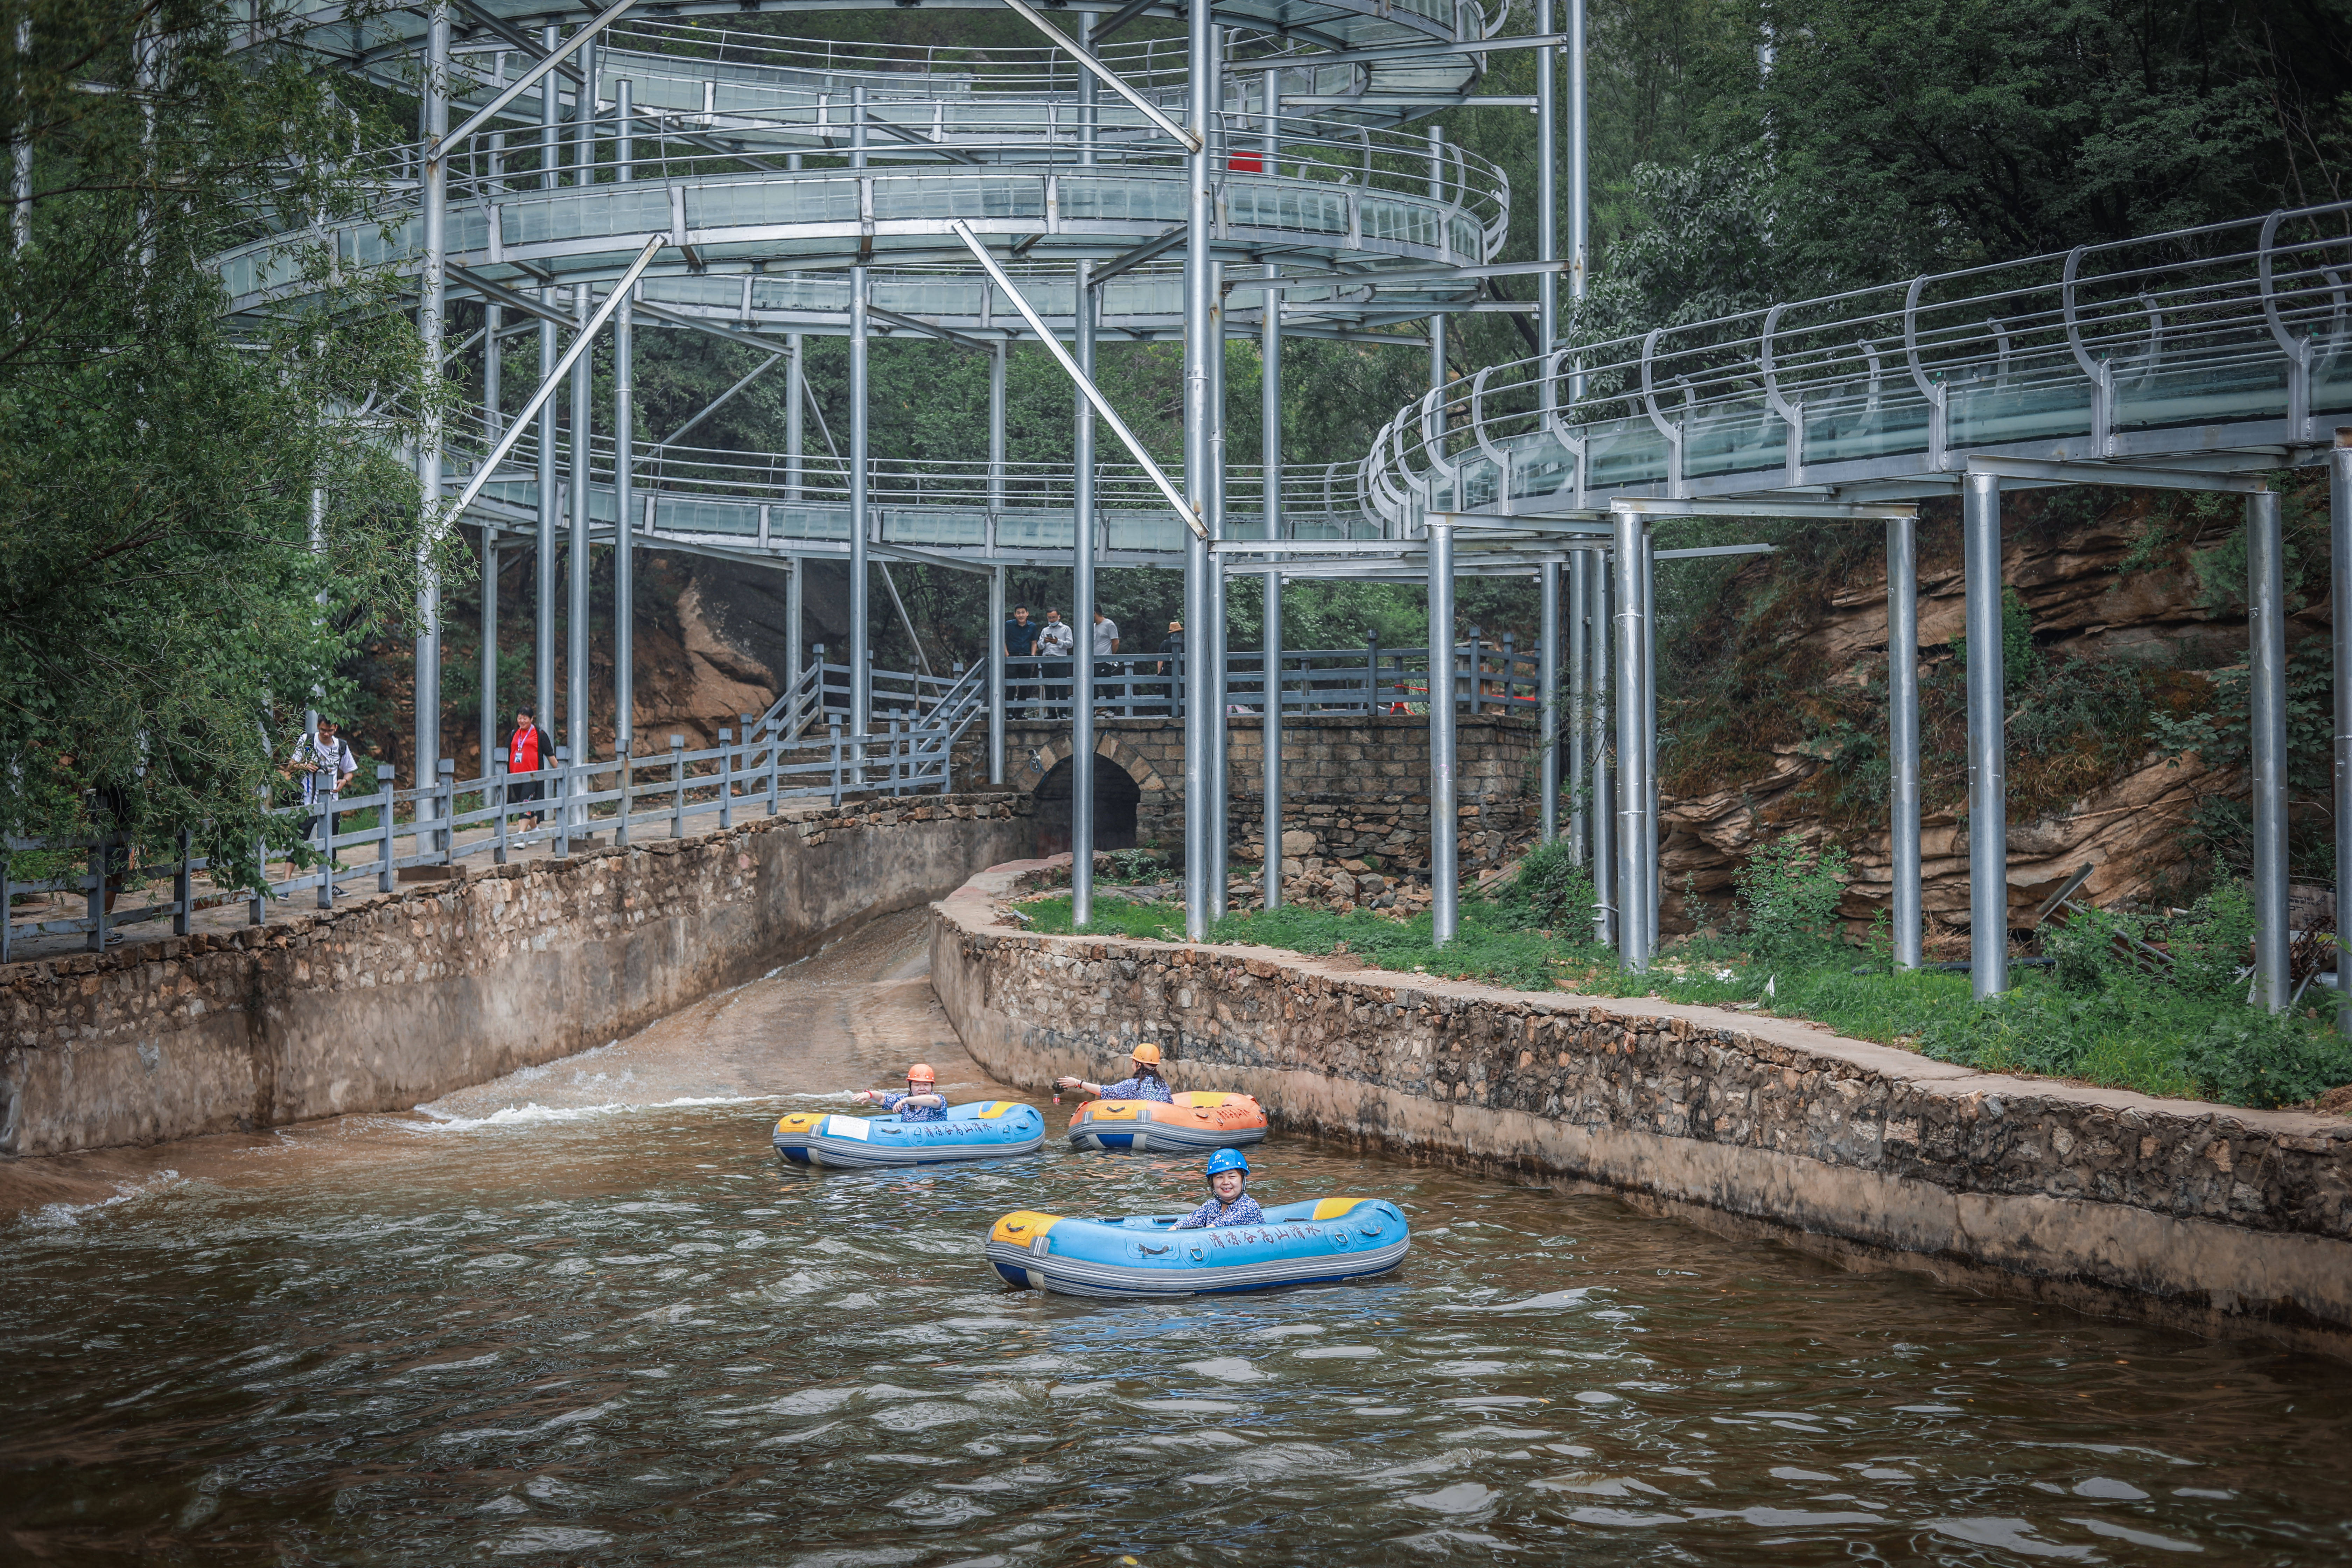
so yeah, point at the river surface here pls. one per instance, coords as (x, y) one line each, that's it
(584, 1315)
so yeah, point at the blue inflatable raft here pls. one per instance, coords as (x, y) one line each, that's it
(990, 1130)
(1312, 1243)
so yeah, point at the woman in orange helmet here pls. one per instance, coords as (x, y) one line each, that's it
(1145, 1083)
(921, 1102)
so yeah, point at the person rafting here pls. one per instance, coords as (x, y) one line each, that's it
(921, 1102)
(1227, 1204)
(1144, 1083)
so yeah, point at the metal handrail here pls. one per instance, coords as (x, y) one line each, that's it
(2149, 345)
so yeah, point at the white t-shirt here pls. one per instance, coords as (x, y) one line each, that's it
(1106, 634)
(335, 764)
(1054, 640)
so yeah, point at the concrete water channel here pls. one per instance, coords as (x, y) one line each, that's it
(582, 1314)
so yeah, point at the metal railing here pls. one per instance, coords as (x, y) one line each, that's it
(2228, 337)
(799, 750)
(1488, 679)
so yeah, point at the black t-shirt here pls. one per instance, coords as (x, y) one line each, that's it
(1020, 639)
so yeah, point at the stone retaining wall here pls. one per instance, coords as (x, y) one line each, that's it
(398, 997)
(1357, 783)
(2201, 1215)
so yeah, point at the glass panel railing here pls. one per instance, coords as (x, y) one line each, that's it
(691, 514)
(594, 213)
(1735, 437)
(1625, 452)
(772, 201)
(944, 528)
(1138, 195)
(1856, 423)
(2040, 402)
(965, 196)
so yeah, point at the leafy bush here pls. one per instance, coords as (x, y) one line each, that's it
(1134, 865)
(1789, 896)
(2258, 1058)
(1550, 891)
(2213, 943)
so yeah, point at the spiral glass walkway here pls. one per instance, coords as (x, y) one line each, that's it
(584, 174)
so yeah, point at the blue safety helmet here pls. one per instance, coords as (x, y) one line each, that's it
(1228, 1160)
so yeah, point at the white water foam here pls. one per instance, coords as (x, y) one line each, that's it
(64, 1216)
(534, 1112)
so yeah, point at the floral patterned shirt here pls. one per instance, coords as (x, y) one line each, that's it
(1243, 1210)
(1142, 1086)
(897, 1102)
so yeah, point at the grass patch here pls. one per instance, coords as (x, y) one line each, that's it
(2099, 1019)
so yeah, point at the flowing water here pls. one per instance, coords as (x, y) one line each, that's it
(584, 1315)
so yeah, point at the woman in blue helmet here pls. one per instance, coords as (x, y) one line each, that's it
(1227, 1204)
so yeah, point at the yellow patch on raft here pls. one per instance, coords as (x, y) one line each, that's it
(1022, 1226)
(1332, 1208)
(996, 1107)
(801, 1121)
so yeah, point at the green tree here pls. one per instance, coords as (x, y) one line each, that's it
(168, 604)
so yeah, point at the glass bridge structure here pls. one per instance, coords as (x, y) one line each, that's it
(585, 173)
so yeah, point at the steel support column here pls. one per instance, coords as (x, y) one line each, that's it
(1988, 746)
(795, 622)
(1633, 747)
(1546, 194)
(861, 665)
(1654, 881)
(1221, 813)
(432, 289)
(625, 462)
(1082, 596)
(1548, 696)
(1579, 192)
(998, 613)
(2340, 546)
(1579, 605)
(580, 561)
(490, 694)
(1201, 101)
(1269, 447)
(1600, 812)
(1437, 322)
(2267, 664)
(1444, 819)
(1903, 732)
(795, 396)
(549, 481)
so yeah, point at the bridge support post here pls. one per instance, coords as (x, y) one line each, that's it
(1220, 736)
(1633, 746)
(575, 630)
(1548, 697)
(1082, 602)
(1269, 436)
(2267, 664)
(861, 665)
(2339, 541)
(997, 615)
(489, 701)
(549, 500)
(1601, 811)
(432, 286)
(1654, 881)
(796, 624)
(1445, 824)
(1987, 744)
(1201, 104)
(1903, 732)
(625, 494)
(1579, 600)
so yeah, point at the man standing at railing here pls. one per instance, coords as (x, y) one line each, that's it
(1056, 642)
(1171, 665)
(1106, 649)
(528, 748)
(325, 762)
(1020, 642)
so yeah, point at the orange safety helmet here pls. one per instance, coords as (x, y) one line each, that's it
(921, 1073)
(1148, 1055)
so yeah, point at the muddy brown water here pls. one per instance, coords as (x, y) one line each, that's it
(584, 1315)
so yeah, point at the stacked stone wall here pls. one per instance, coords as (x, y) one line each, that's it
(395, 998)
(2204, 1216)
(1357, 784)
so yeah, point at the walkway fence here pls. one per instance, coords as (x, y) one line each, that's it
(799, 749)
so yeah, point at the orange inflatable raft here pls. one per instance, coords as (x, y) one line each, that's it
(1194, 1124)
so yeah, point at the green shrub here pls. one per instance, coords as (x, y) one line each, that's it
(2212, 944)
(1789, 898)
(2258, 1058)
(1548, 892)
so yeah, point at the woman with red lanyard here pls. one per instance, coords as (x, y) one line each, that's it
(528, 748)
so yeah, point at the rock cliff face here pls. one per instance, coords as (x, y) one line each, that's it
(2130, 578)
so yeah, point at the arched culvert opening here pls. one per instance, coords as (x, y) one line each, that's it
(1115, 798)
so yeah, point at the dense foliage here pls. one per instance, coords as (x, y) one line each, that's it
(167, 609)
